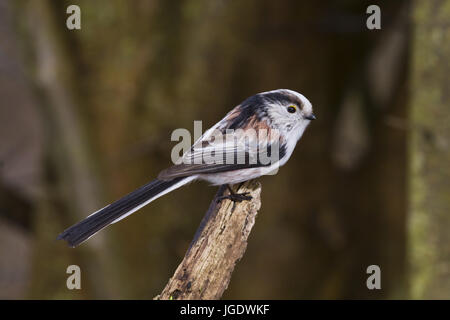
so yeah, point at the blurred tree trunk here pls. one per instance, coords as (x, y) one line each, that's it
(429, 224)
(71, 184)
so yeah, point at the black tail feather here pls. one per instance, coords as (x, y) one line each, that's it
(81, 231)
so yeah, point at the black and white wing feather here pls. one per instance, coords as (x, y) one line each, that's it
(223, 148)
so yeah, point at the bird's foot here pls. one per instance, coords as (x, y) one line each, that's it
(236, 197)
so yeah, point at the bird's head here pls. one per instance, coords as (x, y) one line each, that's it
(288, 110)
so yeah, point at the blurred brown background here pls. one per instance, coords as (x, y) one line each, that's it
(86, 117)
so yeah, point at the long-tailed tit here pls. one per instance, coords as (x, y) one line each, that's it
(254, 139)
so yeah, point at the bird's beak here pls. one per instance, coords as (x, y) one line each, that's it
(311, 117)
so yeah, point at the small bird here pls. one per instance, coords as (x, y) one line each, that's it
(276, 120)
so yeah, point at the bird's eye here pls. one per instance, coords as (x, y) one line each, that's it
(291, 109)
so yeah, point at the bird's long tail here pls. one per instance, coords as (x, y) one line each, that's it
(119, 209)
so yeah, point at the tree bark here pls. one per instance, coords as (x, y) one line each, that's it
(218, 244)
(429, 239)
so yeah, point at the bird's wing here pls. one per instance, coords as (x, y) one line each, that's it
(222, 150)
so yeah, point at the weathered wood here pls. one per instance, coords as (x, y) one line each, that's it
(218, 244)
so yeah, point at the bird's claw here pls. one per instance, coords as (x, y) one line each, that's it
(236, 197)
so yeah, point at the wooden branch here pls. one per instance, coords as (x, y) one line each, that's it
(218, 244)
